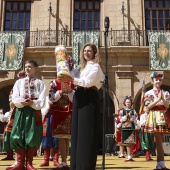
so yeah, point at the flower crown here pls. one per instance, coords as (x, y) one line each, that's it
(128, 97)
(156, 75)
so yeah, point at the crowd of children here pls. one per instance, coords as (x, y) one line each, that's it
(152, 124)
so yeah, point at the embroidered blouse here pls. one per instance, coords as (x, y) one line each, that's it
(34, 89)
(143, 119)
(152, 95)
(91, 75)
(123, 117)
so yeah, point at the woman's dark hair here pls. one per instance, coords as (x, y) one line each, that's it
(33, 62)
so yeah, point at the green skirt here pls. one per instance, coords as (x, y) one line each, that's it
(27, 129)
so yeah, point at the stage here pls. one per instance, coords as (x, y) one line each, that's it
(111, 163)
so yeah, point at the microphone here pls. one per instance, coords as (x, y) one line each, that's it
(106, 23)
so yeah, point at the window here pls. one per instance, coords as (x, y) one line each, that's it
(157, 14)
(86, 15)
(17, 16)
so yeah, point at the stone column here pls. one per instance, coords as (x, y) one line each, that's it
(124, 85)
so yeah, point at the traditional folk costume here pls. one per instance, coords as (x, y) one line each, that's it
(127, 116)
(49, 142)
(146, 139)
(158, 121)
(158, 118)
(84, 134)
(61, 110)
(7, 133)
(26, 135)
(128, 126)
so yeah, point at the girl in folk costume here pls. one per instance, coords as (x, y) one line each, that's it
(7, 132)
(158, 118)
(29, 98)
(61, 109)
(118, 125)
(49, 143)
(146, 139)
(128, 123)
(61, 96)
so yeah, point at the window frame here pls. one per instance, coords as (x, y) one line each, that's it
(155, 22)
(84, 23)
(15, 22)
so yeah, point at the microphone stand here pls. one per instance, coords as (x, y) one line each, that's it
(105, 92)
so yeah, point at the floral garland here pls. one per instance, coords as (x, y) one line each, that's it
(156, 75)
(130, 98)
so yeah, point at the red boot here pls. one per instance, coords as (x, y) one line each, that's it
(29, 159)
(9, 156)
(56, 157)
(20, 160)
(46, 157)
(148, 155)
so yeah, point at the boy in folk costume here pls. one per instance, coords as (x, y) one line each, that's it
(146, 139)
(129, 122)
(9, 117)
(29, 98)
(158, 121)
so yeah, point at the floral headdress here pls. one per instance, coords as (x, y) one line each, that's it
(156, 75)
(128, 97)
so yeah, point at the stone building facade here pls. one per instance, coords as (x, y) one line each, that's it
(128, 59)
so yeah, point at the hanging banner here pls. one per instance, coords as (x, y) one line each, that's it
(12, 46)
(159, 43)
(80, 38)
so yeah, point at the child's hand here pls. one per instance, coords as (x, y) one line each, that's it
(27, 102)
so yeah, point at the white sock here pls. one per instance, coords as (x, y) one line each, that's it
(121, 155)
(14, 164)
(162, 164)
(158, 165)
(129, 157)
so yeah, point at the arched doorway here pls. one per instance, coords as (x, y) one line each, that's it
(4, 104)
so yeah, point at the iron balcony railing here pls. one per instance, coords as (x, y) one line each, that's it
(115, 38)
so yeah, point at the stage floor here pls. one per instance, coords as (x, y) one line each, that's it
(111, 163)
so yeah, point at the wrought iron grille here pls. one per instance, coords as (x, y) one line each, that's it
(60, 37)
